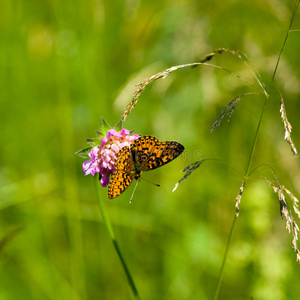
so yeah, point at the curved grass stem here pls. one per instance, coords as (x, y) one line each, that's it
(111, 233)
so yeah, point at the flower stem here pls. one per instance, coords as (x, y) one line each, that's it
(224, 259)
(111, 233)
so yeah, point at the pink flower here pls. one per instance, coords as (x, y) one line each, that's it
(103, 157)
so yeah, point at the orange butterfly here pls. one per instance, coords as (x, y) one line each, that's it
(144, 154)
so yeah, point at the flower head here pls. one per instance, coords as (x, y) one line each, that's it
(103, 157)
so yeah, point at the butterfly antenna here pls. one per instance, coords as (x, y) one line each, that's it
(133, 191)
(150, 182)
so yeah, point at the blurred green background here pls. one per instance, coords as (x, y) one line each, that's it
(63, 65)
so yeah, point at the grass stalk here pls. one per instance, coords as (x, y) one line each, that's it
(255, 138)
(224, 259)
(285, 39)
(252, 152)
(111, 233)
(235, 216)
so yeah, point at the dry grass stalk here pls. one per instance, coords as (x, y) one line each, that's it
(166, 72)
(232, 104)
(287, 126)
(238, 199)
(189, 170)
(290, 224)
(147, 81)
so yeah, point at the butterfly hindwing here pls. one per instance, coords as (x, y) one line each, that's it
(119, 182)
(123, 175)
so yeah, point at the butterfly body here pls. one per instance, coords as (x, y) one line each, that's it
(144, 154)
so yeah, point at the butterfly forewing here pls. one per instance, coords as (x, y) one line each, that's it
(141, 150)
(162, 153)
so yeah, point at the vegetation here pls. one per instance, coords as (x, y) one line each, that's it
(64, 64)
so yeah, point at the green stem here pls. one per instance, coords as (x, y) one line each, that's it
(224, 259)
(235, 217)
(286, 37)
(255, 138)
(111, 233)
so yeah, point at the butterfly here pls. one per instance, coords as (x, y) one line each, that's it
(144, 154)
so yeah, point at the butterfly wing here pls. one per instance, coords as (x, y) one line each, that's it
(141, 150)
(145, 153)
(149, 153)
(162, 153)
(123, 175)
(119, 182)
(124, 160)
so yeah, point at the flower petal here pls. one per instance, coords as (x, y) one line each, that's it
(103, 157)
(124, 132)
(105, 179)
(104, 140)
(111, 133)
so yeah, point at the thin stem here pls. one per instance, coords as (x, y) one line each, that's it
(255, 138)
(286, 37)
(224, 259)
(108, 225)
(270, 168)
(253, 149)
(235, 216)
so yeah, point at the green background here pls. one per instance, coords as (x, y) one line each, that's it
(63, 65)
